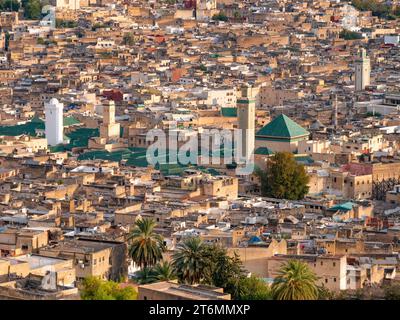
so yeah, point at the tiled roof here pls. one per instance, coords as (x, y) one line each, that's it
(282, 127)
(70, 121)
(229, 112)
(264, 151)
(346, 206)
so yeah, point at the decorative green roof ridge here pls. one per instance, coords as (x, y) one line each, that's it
(282, 126)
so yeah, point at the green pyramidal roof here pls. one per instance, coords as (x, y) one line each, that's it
(282, 126)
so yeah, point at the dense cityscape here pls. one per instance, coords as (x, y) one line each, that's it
(199, 150)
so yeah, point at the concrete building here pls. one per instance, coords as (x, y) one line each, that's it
(102, 259)
(54, 122)
(363, 71)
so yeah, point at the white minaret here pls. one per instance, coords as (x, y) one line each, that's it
(54, 122)
(246, 108)
(363, 70)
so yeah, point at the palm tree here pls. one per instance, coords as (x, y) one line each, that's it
(189, 261)
(145, 275)
(146, 246)
(295, 282)
(163, 271)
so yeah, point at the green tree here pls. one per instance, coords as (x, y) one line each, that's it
(128, 39)
(97, 289)
(188, 261)
(163, 271)
(9, 5)
(145, 275)
(253, 288)
(197, 262)
(392, 292)
(223, 270)
(146, 247)
(237, 15)
(325, 294)
(203, 68)
(284, 178)
(220, 17)
(378, 9)
(350, 35)
(66, 23)
(32, 9)
(295, 282)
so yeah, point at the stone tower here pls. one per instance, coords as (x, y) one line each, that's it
(246, 108)
(109, 129)
(363, 70)
(54, 123)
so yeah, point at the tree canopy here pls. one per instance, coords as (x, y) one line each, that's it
(66, 23)
(253, 288)
(9, 5)
(378, 8)
(350, 35)
(284, 178)
(32, 9)
(220, 17)
(146, 246)
(96, 289)
(189, 261)
(162, 271)
(198, 262)
(296, 281)
(129, 39)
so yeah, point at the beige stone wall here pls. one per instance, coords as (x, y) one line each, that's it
(222, 188)
(278, 146)
(360, 187)
(32, 242)
(20, 269)
(255, 258)
(330, 271)
(4, 266)
(393, 197)
(61, 192)
(384, 171)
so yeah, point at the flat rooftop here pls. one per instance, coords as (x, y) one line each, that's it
(186, 291)
(80, 246)
(36, 261)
